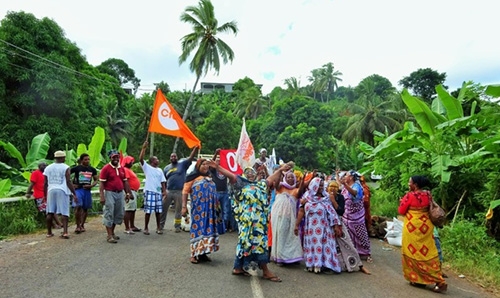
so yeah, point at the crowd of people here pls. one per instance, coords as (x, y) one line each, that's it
(281, 215)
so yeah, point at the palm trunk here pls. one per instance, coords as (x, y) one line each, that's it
(188, 106)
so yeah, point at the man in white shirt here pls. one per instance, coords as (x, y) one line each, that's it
(57, 189)
(154, 189)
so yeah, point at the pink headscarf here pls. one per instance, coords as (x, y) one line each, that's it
(285, 184)
(318, 203)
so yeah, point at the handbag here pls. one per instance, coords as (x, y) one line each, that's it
(436, 214)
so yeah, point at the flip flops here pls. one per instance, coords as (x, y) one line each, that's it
(64, 236)
(49, 235)
(146, 232)
(241, 273)
(159, 232)
(135, 229)
(274, 278)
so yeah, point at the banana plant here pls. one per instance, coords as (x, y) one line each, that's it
(95, 147)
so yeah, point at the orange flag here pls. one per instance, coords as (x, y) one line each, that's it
(165, 120)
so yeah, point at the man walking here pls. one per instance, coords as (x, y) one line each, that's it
(175, 173)
(57, 188)
(154, 189)
(113, 183)
(85, 177)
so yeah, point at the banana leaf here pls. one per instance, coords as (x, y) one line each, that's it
(426, 119)
(123, 146)
(4, 187)
(440, 164)
(493, 90)
(82, 148)
(12, 150)
(451, 104)
(494, 204)
(95, 146)
(38, 149)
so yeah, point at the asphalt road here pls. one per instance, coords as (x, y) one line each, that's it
(158, 266)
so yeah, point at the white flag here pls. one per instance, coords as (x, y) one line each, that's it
(272, 162)
(245, 154)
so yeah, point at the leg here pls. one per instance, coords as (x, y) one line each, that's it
(267, 274)
(65, 225)
(85, 212)
(158, 216)
(165, 207)
(78, 218)
(132, 222)
(48, 221)
(178, 209)
(146, 223)
(126, 221)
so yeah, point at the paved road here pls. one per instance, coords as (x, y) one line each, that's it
(158, 266)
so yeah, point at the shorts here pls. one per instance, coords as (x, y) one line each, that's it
(41, 204)
(153, 202)
(83, 198)
(58, 202)
(132, 204)
(113, 209)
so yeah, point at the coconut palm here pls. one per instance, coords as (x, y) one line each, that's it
(371, 113)
(325, 80)
(251, 104)
(204, 43)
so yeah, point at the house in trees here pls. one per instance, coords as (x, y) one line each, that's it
(209, 87)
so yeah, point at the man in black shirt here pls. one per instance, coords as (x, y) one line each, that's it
(85, 177)
(223, 197)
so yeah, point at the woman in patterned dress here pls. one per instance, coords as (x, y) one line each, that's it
(421, 265)
(204, 213)
(321, 220)
(250, 207)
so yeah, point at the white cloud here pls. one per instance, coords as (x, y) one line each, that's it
(281, 39)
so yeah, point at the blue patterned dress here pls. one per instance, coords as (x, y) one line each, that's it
(204, 217)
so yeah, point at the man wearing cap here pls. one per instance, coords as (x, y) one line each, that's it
(175, 173)
(57, 188)
(112, 196)
(131, 203)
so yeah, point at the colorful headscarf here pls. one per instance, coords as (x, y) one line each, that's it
(285, 184)
(312, 191)
(247, 170)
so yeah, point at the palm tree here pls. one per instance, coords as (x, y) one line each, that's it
(251, 104)
(370, 114)
(203, 41)
(325, 80)
(292, 86)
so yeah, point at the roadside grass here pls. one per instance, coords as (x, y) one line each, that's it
(22, 217)
(467, 249)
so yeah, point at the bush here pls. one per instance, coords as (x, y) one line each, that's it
(469, 249)
(21, 217)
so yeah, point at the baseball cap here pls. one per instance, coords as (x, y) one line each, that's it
(59, 153)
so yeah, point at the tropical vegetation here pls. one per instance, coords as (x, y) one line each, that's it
(52, 98)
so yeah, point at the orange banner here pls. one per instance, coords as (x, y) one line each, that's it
(165, 120)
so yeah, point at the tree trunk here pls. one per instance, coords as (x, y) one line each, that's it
(184, 116)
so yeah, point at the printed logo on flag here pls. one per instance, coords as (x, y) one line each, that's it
(166, 117)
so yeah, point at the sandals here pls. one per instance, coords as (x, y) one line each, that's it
(49, 235)
(440, 288)
(110, 239)
(64, 236)
(129, 232)
(78, 231)
(146, 232)
(159, 232)
(238, 272)
(274, 278)
(194, 260)
(136, 229)
(115, 237)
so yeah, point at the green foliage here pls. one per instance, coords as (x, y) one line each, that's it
(18, 218)
(423, 82)
(469, 249)
(38, 151)
(95, 146)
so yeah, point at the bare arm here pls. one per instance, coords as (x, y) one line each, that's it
(191, 156)
(30, 187)
(299, 219)
(274, 178)
(69, 184)
(217, 152)
(143, 151)
(228, 174)
(101, 192)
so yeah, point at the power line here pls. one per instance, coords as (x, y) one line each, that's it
(62, 67)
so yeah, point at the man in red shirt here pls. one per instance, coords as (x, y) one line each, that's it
(112, 195)
(37, 180)
(131, 204)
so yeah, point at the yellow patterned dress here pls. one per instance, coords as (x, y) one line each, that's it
(420, 256)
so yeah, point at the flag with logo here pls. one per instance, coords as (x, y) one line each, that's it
(228, 161)
(245, 154)
(165, 120)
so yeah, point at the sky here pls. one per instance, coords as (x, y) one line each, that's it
(279, 39)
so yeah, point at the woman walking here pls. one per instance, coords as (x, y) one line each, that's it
(421, 265)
